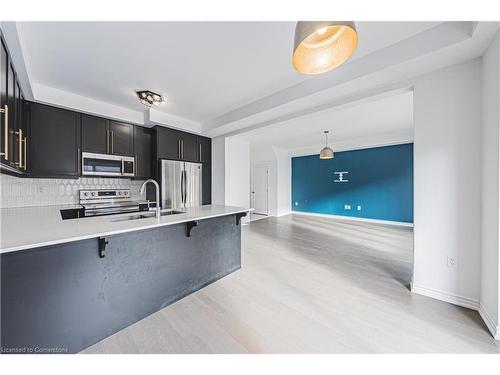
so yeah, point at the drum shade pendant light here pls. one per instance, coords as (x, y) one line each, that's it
(321, 46)
(326, 153)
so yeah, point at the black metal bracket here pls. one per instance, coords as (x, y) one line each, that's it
(190, 225)
(239, 216)
(102, 246)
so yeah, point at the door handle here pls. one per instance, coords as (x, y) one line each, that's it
(112, 142)
(182, 149)
(200, 153)
(107, 141)
(179, 149)
(5, 111)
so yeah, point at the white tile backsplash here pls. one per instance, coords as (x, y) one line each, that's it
(24, 192)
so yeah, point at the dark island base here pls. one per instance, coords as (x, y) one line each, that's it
(64, 298)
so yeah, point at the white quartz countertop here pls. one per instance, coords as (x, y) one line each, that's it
(29, 227)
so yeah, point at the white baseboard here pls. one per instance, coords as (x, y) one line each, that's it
(470, 303)
(494, 329)
(352, 218)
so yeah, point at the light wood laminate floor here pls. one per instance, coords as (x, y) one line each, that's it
(310, 285)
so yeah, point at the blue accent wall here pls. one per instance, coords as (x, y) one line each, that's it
(380, 181)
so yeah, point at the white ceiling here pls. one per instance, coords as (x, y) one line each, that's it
(366, 120)
(204, 69)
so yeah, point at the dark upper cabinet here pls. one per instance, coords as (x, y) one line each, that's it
(4, 66)
(121, 138)
(189, 146)
(142, 152)
(204, 150)
(13, 132)
(178, 145)
(55, 141)
(95, 134)
(167, 143)
(11, 102)
(105, 136)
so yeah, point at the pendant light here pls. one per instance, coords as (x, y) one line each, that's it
(326, 153)
(321, 46)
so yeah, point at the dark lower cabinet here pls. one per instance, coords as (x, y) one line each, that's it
(142, 151)
(121, 138)
(95, 134)
(55, 142)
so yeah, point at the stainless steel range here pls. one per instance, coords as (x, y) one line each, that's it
(110, 201)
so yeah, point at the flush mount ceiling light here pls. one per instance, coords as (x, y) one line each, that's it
(326, 152)
(321, 46)
(149, 98)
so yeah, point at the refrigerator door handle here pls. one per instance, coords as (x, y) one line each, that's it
(182, 187)
(185, 185)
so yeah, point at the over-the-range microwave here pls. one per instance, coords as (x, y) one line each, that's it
(107, 165)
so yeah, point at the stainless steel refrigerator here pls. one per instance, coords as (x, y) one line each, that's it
(180, 184)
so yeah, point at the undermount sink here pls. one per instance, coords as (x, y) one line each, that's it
(148, 215)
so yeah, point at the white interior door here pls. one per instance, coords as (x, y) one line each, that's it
(260, 188)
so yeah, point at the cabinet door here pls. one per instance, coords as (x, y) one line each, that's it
(204, 149)
(18, 129)
(55, 142)
(11, 102)
(189, 147)
(95, 134)
(142, 151)
(206, 184)
(121, 138)
(167, 143)
(4, 65)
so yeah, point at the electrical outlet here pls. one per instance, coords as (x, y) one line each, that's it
(347, 206)
(41, 189)
(451, 262)
(359, 208)
(296, 203)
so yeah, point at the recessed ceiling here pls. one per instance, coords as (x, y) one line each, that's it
(389, 115)
(204, 69)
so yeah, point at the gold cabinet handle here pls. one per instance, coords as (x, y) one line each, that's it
(25, 141)
(20, 134)
(5, 111)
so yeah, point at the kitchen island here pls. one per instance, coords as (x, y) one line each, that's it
(67, 284)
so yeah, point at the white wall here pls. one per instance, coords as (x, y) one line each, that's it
(490, 81)
(447, 190)
(279, 162)
(283, 182)
(219, 170)
(237, 178)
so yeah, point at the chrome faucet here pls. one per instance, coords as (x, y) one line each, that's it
(157, 188)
